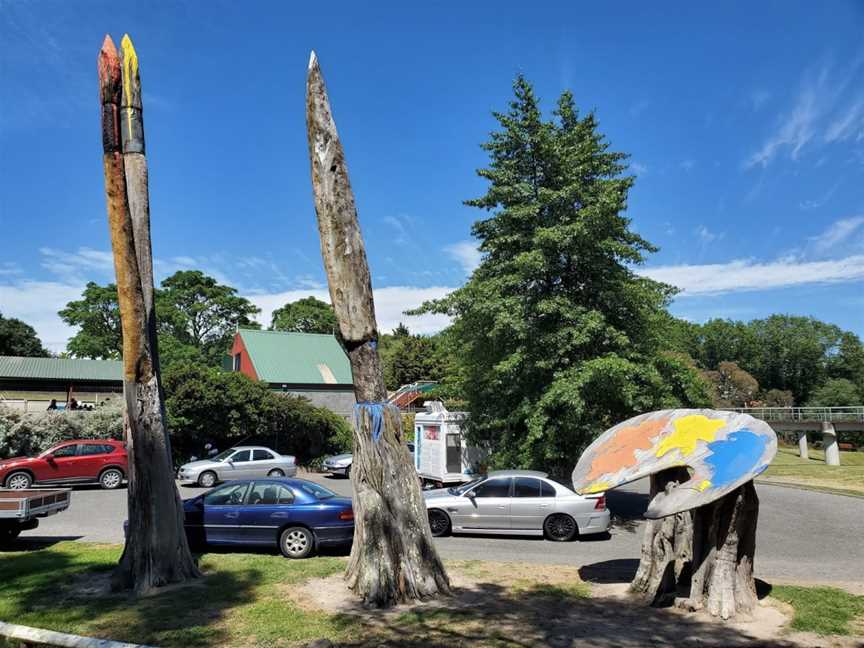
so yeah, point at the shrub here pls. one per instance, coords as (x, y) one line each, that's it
(29, 433)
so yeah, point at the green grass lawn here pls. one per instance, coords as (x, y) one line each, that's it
(824, 610)
(62, 588)
(789, 468)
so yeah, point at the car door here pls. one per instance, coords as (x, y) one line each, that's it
(533, 499)
(91, 458)
(62, 464)
(236, 466)
(262, 463)
(223, 507)
(488, 505)
(269, 507)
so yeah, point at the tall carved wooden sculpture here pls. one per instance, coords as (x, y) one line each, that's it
(156, 552)
(392, 558)
(701, 527)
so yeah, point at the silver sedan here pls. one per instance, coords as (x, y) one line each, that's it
(516, 502)
(242, 462)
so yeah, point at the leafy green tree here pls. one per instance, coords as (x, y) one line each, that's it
(307, 315)
(556, 335)
(18, 338)
(848, 361)
(206, 405)
(726, 340)
(97, 317)
(199, 312)
(408, 358)
(836, 392)
(778, 398)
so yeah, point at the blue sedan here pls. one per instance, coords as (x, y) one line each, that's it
(294, 514)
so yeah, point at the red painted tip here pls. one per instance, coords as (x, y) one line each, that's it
(108, 65)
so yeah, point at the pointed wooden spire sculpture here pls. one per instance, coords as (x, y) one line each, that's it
(156, 551)
(392, 558)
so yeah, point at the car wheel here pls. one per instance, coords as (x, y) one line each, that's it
(439, 523)
(560, 527)
(296, 542)
(110, 479)
(19, 481)
(207, 479)
(276, 473)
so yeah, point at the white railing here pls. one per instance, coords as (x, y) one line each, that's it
(831, 414)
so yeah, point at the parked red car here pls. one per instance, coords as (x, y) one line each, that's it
(101, 461)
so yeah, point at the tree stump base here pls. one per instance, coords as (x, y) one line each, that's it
(724, 545)
(666, 548)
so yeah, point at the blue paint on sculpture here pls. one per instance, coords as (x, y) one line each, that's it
(376, 413)
(737, 454)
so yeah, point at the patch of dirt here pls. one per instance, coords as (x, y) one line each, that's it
(516, 604)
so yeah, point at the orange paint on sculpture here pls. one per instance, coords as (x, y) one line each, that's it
(620, 450)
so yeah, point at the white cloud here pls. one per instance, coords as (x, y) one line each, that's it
(820, 201)
(706, 236)
(37, 303)
(838, 233)
(73, 264)
(638, 168)
(466, 254)
(390, 304)
(745, 275)
(820, 99)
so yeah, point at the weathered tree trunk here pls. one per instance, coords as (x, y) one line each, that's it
(156, 551)
(666, 547)
(392, 558)
(724, 545)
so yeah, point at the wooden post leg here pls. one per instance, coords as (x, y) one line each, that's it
(666, 547)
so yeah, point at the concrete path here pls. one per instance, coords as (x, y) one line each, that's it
(803, 536)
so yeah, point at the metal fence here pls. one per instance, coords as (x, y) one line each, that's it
(830, 414)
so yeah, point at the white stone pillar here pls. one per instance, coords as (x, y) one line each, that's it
(829, 444)
(802, 445)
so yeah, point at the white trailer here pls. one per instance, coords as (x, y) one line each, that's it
(441, 454)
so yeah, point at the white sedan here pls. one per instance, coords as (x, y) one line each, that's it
(516, 502)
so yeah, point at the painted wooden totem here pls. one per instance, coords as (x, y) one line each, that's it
(703, 509)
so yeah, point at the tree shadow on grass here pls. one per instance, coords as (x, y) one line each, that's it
(67, 591)
(545, 615)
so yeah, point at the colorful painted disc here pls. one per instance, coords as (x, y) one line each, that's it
(722, 450)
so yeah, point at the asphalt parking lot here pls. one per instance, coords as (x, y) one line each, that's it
(803, 535)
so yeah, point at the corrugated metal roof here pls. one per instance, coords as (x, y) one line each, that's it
(60, 368)
(298, 358)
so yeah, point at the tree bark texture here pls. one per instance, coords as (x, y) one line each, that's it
(156, 551)
(724, 546)
(392, 558)
(666, 547)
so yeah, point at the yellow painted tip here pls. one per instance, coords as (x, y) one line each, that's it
(129, 52)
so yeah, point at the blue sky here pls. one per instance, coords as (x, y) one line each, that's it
(745, 123)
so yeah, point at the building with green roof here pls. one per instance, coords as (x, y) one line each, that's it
(32, 383)
(311, 365)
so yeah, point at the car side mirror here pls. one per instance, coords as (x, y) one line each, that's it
(230, 461)
(470, 495)
(49, 458)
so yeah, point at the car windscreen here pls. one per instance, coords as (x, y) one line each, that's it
(222, 456)
(316, 491)
(458, 490)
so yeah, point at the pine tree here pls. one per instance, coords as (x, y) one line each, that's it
(557, 336)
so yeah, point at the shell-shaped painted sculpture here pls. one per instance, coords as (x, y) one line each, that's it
(722, 451)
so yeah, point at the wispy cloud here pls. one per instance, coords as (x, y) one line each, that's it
(822, 113)
(837, 234)
(639, 168)
(706, 236)
(747, 275)
(84, 261)
(758, 98)
(466, 254)
(816, 203)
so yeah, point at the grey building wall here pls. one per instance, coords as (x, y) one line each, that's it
(341, 400)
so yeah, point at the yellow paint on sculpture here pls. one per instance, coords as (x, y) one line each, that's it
(703, 485)
(688, 431)
(130, 67)
(596, 487)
